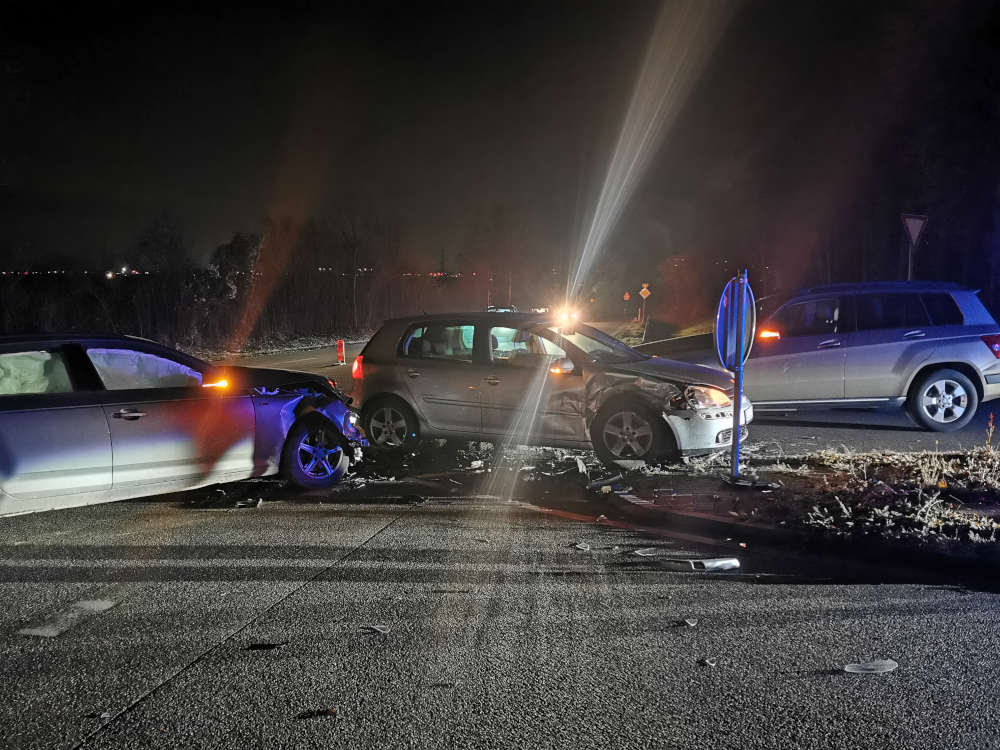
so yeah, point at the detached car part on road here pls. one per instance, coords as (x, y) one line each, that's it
(94, 419)
(522, 378)
(929, 347)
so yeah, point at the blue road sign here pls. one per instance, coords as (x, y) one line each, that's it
(727, 334)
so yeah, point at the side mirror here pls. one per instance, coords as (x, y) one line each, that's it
(562, 366)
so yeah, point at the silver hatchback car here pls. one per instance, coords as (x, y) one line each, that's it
(524, 379)
(930, 347)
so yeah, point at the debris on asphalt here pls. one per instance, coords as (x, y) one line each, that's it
(871, 667)
(106, 715)
(646, 551)
(708, 661)
(715, 563)
(260, 503)
(582, 546)
(318, 713)
(379, 629)
(606, 490)
(246, 504)
(477, 464)
(605, 482)
(582, 467)
(690, 621)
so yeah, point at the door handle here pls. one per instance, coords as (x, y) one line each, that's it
(914, 334)
(828, 344)
(492, 379)
(413, 373)
(129, 414)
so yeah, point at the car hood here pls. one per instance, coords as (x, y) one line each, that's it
(676, 372)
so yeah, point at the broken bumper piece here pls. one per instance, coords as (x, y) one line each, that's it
(705, 431)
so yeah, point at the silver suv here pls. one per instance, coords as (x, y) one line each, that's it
(523, 378)
(930, 347)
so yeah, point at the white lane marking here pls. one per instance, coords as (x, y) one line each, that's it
(63, 620)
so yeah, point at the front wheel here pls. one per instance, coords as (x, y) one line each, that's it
(314, 457)
(943, 401)
(390, 425)
(624, 430)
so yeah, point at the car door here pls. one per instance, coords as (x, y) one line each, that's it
(522, 397)
(55, 445)
(894, 336)
(439, 371)
(800, 353)
(169, 428)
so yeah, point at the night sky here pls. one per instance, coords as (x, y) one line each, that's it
(440, 114)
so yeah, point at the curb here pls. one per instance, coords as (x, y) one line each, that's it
(968, 558)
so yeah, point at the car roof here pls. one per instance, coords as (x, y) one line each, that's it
(477, 317)
(25, 338)
(885, 286)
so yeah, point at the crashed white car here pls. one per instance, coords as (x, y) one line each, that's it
(525, 378)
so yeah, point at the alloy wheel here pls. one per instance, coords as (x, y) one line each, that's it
(387, 428)
(944, 401)
(319, 453)
(628, 434)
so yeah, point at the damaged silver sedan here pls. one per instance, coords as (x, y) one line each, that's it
(526, 379)
(94, 419)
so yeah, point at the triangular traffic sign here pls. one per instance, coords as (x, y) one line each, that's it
(914, 225)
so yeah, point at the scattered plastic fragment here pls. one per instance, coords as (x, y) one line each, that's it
(606, 489)
(380, 629)
(871, 667)
(95, 715)
(581, 466)
(260, 503)
(606, 482)
(582, 546)
(646, 551)
(600, 518)
(690, 621)
(477, 464)
(318, 713)
(715, 563)
(246, 504)
(708, 661)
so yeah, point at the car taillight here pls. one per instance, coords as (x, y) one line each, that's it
(993, 342)
(357, 371)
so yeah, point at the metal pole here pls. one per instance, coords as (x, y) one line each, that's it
(909, 263)
(740, 289)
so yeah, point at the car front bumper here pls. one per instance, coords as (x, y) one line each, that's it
(698, 432)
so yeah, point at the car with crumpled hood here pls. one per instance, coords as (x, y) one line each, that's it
(530, 379)
(89, 419)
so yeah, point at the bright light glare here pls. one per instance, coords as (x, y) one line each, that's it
(766, 334)
(684, 36)
(223, 383)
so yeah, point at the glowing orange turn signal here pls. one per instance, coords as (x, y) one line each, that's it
(217, 384)
(769, 335)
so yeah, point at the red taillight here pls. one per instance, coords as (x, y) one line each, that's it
(357, 371)
(993, 342)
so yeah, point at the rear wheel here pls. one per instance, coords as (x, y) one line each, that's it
(943, 401)
(390, 425)
(314, 455)
(626, 430)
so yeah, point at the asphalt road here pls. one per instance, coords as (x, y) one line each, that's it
(772, 434)
(213, 626)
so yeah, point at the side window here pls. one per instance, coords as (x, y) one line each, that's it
(33, 372)
(889, 311)
(522, 348)
(126, 369)
(813, 318)
(943, 309)
(435, 341)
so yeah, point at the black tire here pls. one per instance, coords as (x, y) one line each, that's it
(304, 440)
(625, 429)
(943, 400)
(390, 425)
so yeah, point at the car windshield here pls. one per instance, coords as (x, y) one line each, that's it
(599, 346)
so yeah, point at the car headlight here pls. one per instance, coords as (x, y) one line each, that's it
(352, 418)
(704, 397)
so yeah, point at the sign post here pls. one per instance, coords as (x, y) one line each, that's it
(914, 225)
(735, 324)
